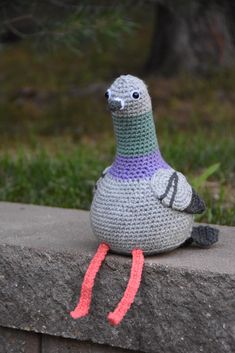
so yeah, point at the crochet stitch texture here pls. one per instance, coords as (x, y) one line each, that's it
(126, 212)
(141, 205)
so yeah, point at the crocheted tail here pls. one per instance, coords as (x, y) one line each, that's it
(124, 305)
(83, 306)
(204, 236)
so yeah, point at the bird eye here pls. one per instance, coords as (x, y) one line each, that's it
(107, 94)
(135, 95)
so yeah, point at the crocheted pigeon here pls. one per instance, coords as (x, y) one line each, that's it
(141, 205)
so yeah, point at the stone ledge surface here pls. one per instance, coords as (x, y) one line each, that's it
(185, 304)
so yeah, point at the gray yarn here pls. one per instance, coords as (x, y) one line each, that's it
(128, 215)
(147, 213)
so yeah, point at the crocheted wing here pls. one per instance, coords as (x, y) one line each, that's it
(173, 190)
(100, 179)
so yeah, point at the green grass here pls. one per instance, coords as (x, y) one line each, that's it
(65, 176)
(64, 180)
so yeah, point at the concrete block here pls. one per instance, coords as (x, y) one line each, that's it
(186, 302)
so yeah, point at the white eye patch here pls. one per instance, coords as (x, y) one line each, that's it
(109, 93)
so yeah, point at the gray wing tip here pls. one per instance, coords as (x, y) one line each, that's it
(197, 205)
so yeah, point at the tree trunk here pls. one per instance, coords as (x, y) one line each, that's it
(198, 37)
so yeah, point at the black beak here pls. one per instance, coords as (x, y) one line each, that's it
(114, 105)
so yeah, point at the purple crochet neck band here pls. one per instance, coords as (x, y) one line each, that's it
(132, 168)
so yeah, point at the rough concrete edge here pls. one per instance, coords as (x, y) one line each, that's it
(114, 257)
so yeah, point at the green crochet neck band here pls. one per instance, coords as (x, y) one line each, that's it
(135, 135)
(138, 155)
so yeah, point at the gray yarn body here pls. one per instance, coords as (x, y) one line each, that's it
(140, 201)
(127, 215)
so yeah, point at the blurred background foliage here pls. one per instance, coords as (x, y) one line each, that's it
(58, 57)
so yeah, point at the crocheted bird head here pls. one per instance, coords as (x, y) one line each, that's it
(128, 96)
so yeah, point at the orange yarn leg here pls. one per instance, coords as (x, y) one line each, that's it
(124, 305)
(83, 306)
